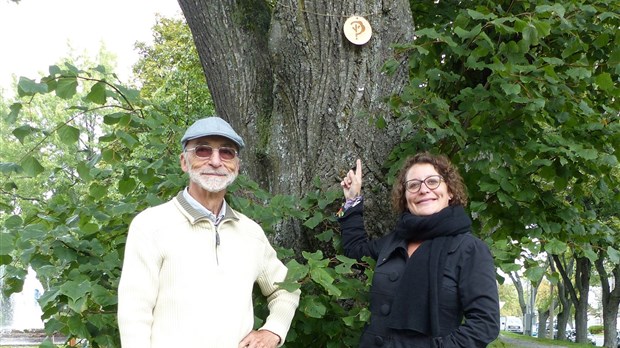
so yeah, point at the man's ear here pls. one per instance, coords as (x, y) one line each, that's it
(183, 162)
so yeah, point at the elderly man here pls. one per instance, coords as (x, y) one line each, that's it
(191, 263)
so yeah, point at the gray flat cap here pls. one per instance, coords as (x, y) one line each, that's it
(211, 126)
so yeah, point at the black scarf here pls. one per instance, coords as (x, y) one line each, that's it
(416, 302)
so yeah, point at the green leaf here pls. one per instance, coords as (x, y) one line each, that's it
(28, 87)
(535, 274)
(66, 87)
(8, 168)
(325, 236)
(83, 170)
(33, 232)
(555, 247)
(13, 221)
(97, 93)
(12, 116)
(312, 307)
(129, 140)
(604, 81)
(125, 186)
(77, 327)
(68, 134)
(296, 271)
(103, 296)
(110, 156)
(314, 221)
(31, 166)
(614, 255)
(322, 277)
(480, 16)
(511, 88)
(6, 243)
(123, 208)
(74, 289)
(97, 190)
(488, 187)
(23, 131)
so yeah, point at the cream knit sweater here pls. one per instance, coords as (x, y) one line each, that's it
(180, 288)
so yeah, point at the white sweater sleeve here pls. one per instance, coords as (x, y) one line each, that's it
(282, 304)
(138, 285)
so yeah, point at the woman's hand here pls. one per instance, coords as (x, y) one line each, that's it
(352, 182)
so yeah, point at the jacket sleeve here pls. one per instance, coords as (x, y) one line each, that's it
(355, 241)
(281, 303)
(478, 295)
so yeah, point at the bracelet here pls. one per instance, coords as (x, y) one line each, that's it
(351, 202)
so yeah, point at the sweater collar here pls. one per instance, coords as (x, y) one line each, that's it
(194, 215)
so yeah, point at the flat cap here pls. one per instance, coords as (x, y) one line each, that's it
(211, 126)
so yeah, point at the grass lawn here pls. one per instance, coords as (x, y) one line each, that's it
(499, 344)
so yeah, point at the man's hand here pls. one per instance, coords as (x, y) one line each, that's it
(260, 339)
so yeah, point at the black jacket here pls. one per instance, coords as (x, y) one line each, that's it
(468, 299)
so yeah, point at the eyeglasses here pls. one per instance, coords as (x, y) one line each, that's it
(206, 151)
(432, 182)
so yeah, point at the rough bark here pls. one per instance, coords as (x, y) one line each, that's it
(301, 95)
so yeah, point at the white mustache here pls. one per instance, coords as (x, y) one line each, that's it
(213, 173)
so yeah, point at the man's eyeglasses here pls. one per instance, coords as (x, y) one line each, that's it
(432, 182)
(206, 151)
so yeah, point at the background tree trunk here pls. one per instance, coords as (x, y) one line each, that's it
(543, 316)
(611, 300)
(301, 94)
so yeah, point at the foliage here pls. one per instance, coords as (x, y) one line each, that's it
(596, 329)
(508, 295)
(334, 287)
(523, 96)
(169, 71)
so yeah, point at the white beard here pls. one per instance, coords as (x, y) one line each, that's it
(211, 183)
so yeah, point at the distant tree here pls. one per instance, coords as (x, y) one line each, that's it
(169, 71)
(510, 302)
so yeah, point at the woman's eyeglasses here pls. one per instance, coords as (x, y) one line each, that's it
(432, 182)
(206, 151)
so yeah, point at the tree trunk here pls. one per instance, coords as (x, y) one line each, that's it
(564, 294)
(582, 283)
(516, 280)
(611, 301)
(564, 314)
(543, 316)
(553, 303)
(578, 293)
(301, 94)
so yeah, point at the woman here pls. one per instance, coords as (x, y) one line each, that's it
(434, 282)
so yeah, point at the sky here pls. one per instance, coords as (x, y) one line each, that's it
(35, 34)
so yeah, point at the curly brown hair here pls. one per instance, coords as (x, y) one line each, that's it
(443, 166)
